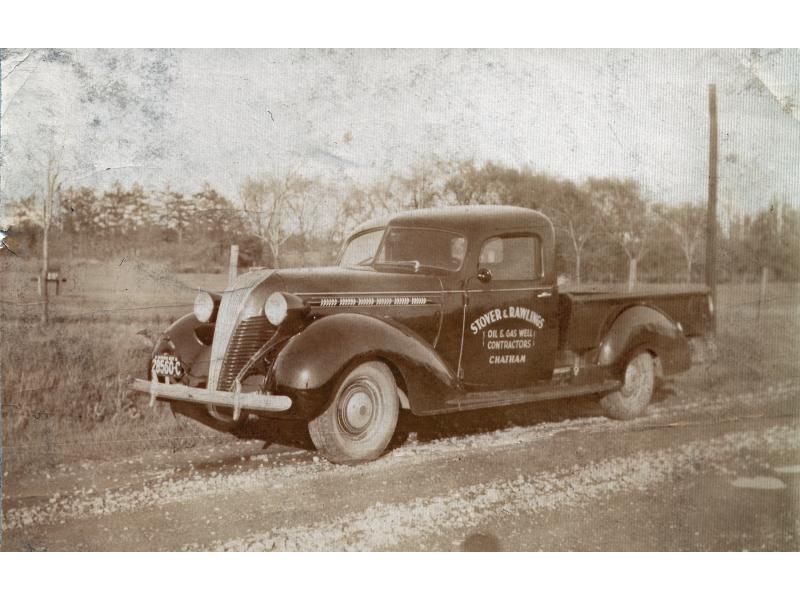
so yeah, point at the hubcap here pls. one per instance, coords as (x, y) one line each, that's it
(358, 410)
(634, 377)
(358, 407)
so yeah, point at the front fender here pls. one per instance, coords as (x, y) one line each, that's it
(309, 366)
(644, 327)
(181, 339)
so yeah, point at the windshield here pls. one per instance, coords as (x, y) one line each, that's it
(361, 249)
(421, 248)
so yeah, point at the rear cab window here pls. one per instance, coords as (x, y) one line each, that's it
(515, 257)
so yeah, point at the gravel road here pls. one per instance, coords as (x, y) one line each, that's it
(697, 472)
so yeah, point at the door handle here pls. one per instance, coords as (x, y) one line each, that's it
(544, 294)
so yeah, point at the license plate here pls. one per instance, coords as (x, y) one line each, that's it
(167, 365)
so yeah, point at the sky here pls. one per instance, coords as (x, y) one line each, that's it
(223, 115)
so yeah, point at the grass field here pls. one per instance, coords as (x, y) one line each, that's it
(65, 393)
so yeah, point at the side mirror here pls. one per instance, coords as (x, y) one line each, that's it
(484, 275)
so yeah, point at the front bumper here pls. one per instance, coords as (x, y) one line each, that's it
(236, 400)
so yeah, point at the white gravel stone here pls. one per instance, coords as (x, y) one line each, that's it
(266, 474)
(386, 526)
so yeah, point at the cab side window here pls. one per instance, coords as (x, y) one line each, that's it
(512, 257)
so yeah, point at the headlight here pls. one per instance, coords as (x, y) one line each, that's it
(203, 307)
(276, 308)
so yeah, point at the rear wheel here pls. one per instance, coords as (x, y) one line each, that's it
(632, 398)
(360, 422)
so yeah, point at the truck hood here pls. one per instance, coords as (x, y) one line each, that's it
(333, 281)
(253, 288)
(413, 300)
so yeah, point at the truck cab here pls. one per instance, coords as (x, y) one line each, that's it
(494, 265)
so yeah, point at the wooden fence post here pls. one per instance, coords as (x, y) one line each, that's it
(233, 267)
(711, 218)
(762, 295)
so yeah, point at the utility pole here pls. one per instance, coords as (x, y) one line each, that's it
(45, 317)
(711, 220)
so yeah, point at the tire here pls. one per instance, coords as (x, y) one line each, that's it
(359, 423)
(636, 392)
(398, 439)
(252, 428)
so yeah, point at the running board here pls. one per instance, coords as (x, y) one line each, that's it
(477, 400)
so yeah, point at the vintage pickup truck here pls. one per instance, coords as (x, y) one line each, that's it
(431, 311)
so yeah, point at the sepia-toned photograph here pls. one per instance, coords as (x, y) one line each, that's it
(400, 300)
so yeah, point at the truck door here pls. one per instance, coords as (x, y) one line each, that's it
(510, 332)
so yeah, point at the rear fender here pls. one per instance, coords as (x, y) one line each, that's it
(644, 328)
(309, 366)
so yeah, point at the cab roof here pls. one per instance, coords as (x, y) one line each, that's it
(465, 219)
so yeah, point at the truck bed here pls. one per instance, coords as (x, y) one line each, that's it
(585, 314)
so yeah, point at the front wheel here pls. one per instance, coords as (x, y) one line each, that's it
(632, 398)
(358, 425)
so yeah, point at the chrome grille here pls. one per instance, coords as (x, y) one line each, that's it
(249, 336)
(227, 316)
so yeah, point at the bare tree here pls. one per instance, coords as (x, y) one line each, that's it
(47, 158)
(627, 217)
(468, 184)
(424, 186)
(351, 211)
(575, 215)
(385, 197)
(49, 203)
(305, 208)
(362, 204)
(266, 202)
(104, 90)
(687, 223)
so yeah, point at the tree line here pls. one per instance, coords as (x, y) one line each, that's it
(607, 229)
